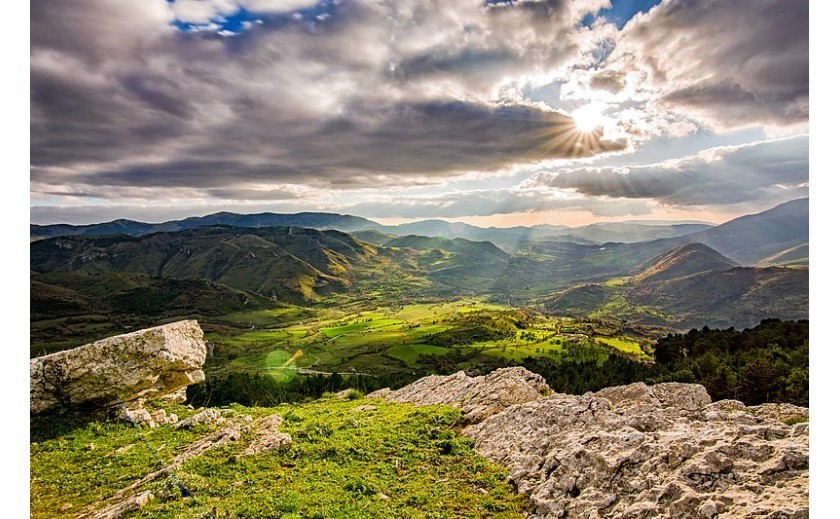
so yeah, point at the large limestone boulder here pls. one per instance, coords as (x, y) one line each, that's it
(651, 451)
(157, 363)
(634, 451)
(479, 397)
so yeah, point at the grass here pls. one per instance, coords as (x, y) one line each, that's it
(621, 344)
(409, 353)
(394, 461)
(796, 419)
(355, 338)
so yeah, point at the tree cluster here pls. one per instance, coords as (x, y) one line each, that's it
(768, 363)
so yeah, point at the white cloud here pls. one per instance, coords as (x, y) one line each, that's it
(728, 64)
(277, 6)
(768, 171)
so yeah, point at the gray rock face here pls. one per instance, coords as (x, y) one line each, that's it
(204, 417)
(632, 451)
(479, 397)
(267, 437)
(156, 362)
(638, 451)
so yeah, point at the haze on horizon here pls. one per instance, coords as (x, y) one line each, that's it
(494, 113)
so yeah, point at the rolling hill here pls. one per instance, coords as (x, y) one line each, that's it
(685, 260)
(739, 297)
(678, 281)
(285, 263)
(690, 286)
(468, 267)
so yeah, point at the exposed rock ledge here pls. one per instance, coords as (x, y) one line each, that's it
(479, 397)
(632, 451)
(156, 362)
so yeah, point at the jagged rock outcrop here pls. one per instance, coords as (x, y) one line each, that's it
(203, 417)
(635, 451)
(479, 397)
(157, 362)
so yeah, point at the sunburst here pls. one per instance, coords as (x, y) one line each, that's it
(590, 117)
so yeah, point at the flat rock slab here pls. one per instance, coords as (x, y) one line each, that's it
(479, 397)
(154, 363)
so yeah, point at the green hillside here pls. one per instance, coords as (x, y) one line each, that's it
(381, 461)
(284, 263)
(686, 260)
(690, 286)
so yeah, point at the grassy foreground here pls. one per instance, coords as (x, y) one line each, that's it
(394, 461)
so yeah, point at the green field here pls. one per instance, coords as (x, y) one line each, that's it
(381, 340)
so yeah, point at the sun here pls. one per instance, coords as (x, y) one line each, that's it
(590, 117)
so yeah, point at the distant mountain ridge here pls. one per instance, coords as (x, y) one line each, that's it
(773, 237)
(319, 221)
(753, 238)
(508, 238)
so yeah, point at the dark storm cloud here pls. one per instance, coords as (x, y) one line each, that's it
(765, 171)
(730, 63)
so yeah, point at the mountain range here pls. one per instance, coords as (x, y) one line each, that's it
(507, 238)
(733, 274)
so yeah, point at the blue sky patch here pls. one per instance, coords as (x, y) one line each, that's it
(621, 12)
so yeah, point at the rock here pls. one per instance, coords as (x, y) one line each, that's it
(344, 394)
(142, 417)
(649, 451)
(363, 408)
(479, 397)
(205, 417)
(267, 437)
(632, 451)
(379, 393)
(119, 509)
(153, 363)
(161, 417)
(779, 412)
(688, 397)
(800, 429)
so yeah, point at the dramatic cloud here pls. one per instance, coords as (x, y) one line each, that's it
(420, 139)
(314, 104)
(764, 171)
(731, 64)
(360, 91)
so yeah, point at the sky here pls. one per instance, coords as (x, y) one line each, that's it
(489, 112)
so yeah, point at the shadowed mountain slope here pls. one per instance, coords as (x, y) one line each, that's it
(686, 260)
